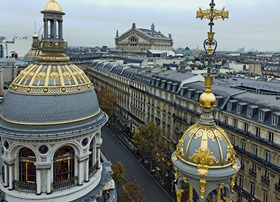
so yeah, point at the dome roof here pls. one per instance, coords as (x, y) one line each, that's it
(205, 147)
(42, 78)
(53, 6)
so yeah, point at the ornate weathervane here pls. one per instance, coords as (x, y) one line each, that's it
(210, 44)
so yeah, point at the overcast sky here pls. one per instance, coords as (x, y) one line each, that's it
(253, 24)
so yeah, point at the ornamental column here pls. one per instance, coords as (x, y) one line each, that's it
(48, 180)
(6, 175)
(11, 176)
(38, 182)
(87, 170)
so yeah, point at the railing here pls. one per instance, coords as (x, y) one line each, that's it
(27, 187)
(93, 170)
(258, 159)
(252, 172)
(65, 184)
(246, 194)
(265, 180)
(277, 187)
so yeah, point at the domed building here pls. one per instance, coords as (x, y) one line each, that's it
(50, 127)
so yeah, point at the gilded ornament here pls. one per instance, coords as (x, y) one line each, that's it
(79, 88)
(67, 75)
(54, 75)
(185, 180)
(202, 188)
(204, 156)
(63, 89)
(41, 75)
(30, 74)
(179, 194)
(232, 183)
(176, 174)
(28, 90)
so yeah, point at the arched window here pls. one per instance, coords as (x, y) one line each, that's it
(27, 169)
(133, 41)
(64, 164)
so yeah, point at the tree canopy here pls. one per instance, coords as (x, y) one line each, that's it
(148, 139)
(118, 175)
(132, 191)
(107, 101)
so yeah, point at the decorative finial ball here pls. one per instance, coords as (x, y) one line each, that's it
(207, 100)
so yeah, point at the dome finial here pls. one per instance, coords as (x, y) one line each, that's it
(53, 6)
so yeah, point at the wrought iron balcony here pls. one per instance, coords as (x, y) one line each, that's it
(27, 187)
(65, 184)
(252, 172)
(265, 180)
(246, 194)
(277, 187)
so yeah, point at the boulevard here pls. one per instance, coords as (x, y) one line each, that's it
(116, 151)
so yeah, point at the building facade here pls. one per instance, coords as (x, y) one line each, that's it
(139, 39)
(248, 111)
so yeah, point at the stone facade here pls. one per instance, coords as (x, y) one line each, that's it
(138, 39)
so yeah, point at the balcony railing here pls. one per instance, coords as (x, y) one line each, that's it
(27, 187)
(277, 187)
(265, 180)
(252, 172)
(65, 184)
(93, 170)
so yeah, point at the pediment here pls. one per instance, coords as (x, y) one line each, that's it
(134, 32)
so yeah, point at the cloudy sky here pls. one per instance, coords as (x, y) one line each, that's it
(253, 24)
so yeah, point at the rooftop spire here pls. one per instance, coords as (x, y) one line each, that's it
(208, 99)
(204, 159)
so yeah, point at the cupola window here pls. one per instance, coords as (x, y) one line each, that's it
(27, 168)
(64, 164)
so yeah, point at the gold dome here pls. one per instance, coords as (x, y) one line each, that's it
(51, 78)
(206, 146)
(35, 35)
(53, 6)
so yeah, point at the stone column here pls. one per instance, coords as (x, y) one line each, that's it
(46, 29)
(87, 170)
(98, 157)
(6, 175)
(81, 172)
(38, 182)
(54, 29)
(48, 181)
(11, 176)
(60, 33)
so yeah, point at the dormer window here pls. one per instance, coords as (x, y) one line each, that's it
(229, 106)
(241, 107)
(261, 115)
(274, 119)
(249, 112)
